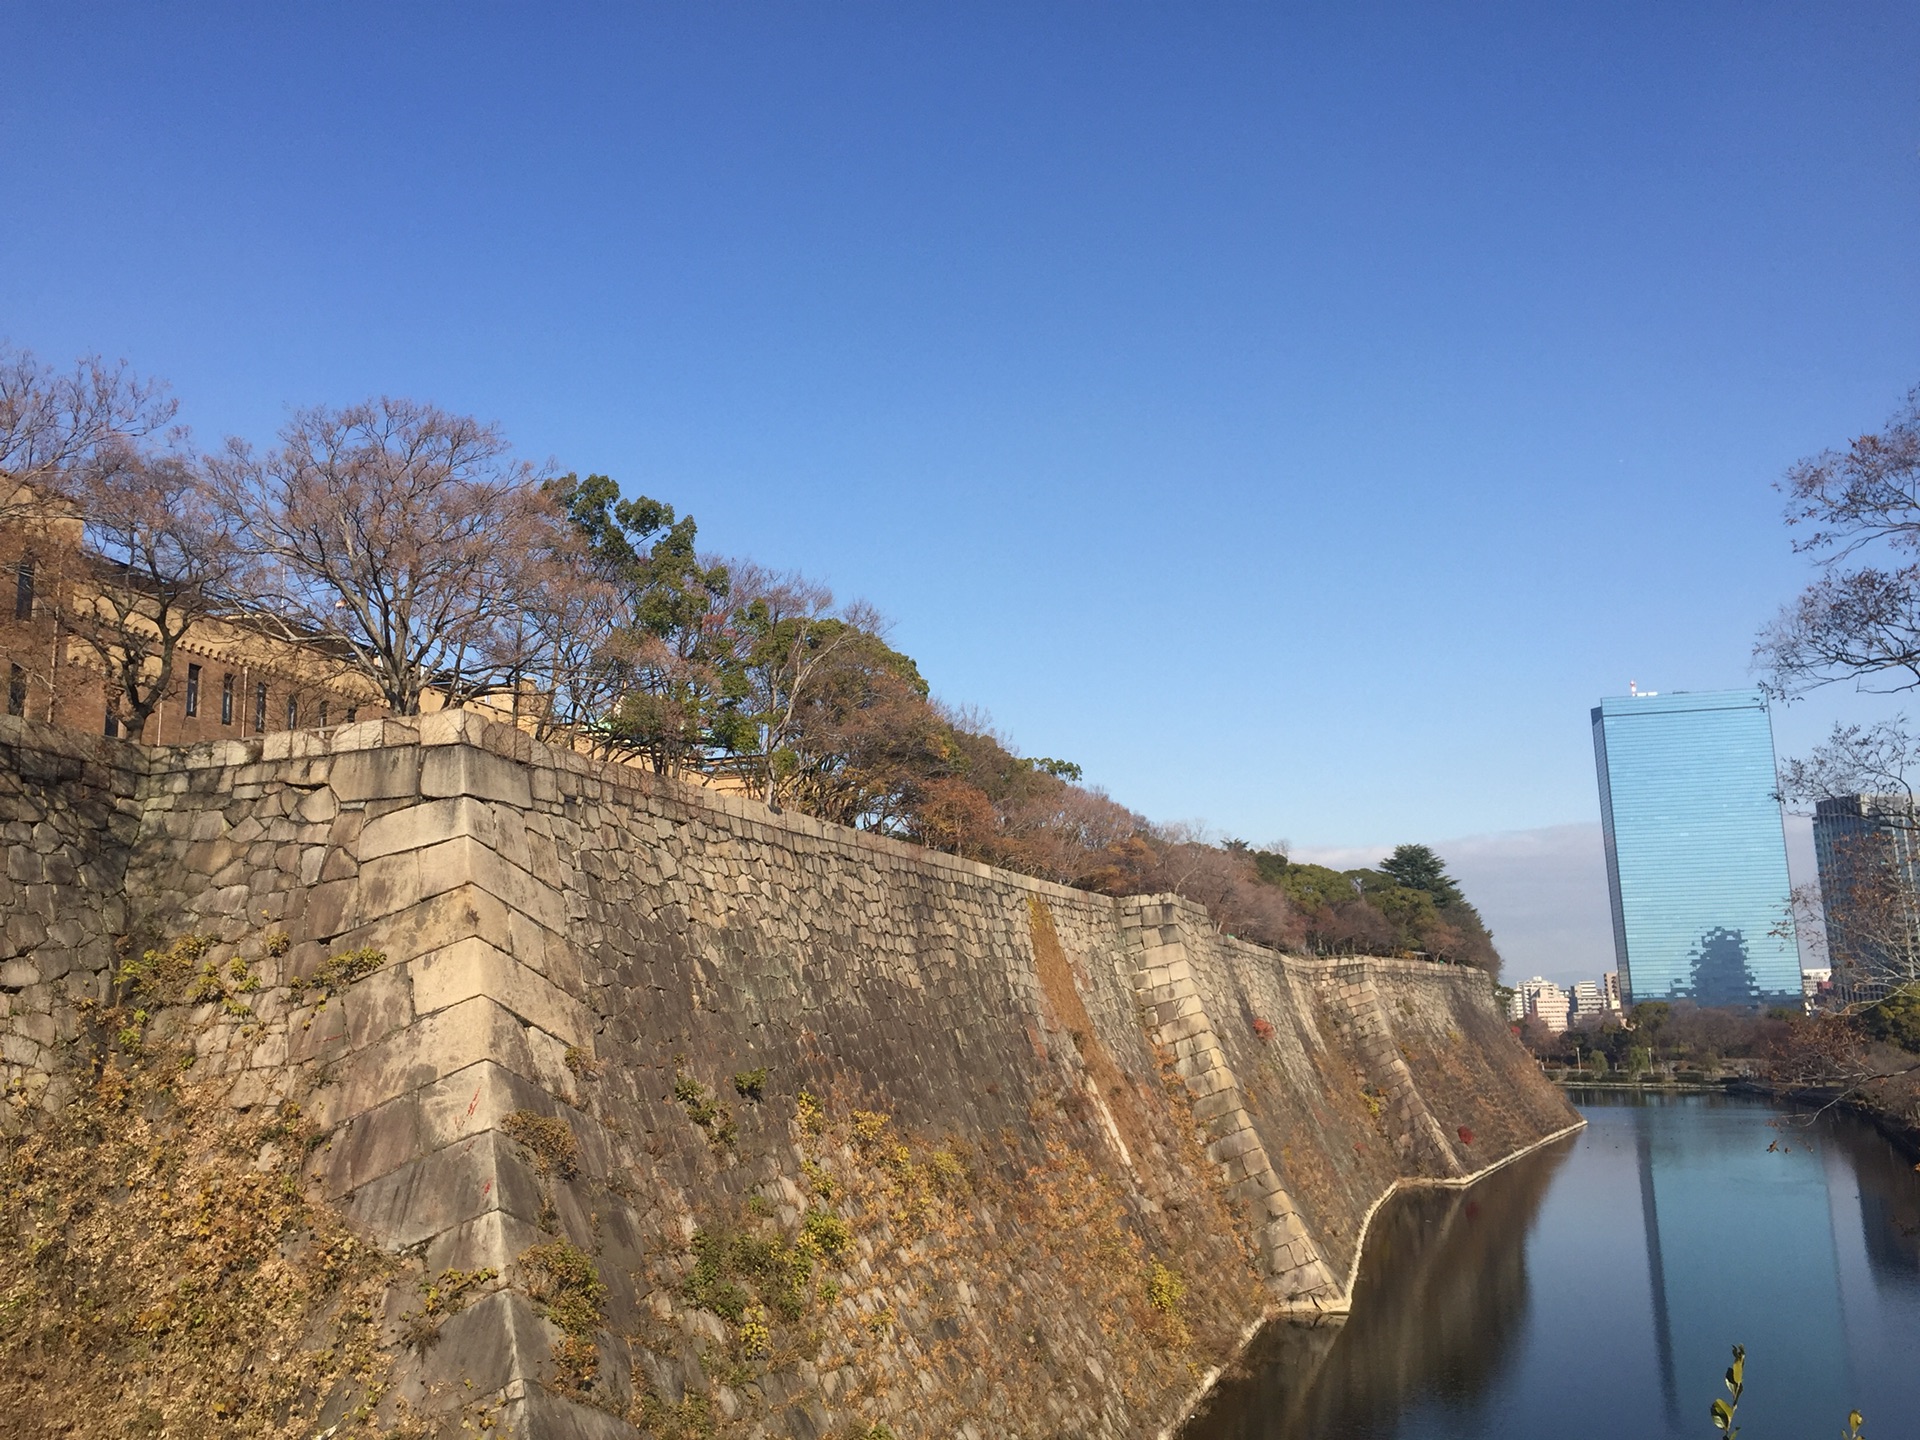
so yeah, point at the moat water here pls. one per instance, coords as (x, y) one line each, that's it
(1593, 1291)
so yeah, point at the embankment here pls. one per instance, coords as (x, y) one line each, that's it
(766, 1126)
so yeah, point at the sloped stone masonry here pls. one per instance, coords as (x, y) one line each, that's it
(583, 942)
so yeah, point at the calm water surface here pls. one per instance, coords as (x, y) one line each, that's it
(1594, 1290)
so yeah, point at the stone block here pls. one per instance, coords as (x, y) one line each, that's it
(467, 770)
(428, 823)
(449, 1111)
(431, 924)
(443, 1189)
(330, 908)
(492, 1343)
(493, 1241)
(395, 882)
(473, 967)
(453, 727)
(539, 1414)
(434, 1046)
(1222, 1102)
(376, 774)
(377, 1005)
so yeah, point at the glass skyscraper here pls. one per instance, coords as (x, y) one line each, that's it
(1696, 854)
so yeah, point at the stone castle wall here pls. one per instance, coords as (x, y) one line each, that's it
(1079, 1145)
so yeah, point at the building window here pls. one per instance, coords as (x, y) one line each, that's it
(23, 589)
(16, 690)
(323, 714)
(353, 713)
(226, 699)
(293, 712)
(113, 723)
(193, 689)
(260, 707)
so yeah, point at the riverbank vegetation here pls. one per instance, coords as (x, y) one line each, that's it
(1867, 1057)
(411, 550)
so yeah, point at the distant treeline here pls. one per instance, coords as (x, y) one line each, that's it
(410, 544)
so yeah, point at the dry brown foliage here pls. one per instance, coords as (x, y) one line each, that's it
(163, 1272)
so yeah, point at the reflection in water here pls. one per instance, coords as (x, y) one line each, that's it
(1656, 1273)
(1594, 1290)
(1441, 1295)
(1889, 1204)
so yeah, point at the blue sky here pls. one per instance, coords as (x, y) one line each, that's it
(1296, 415)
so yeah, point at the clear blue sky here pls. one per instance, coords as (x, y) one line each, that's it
(1297, 415)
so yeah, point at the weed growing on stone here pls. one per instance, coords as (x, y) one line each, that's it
(1375, 1100)
(549, 1139)
(441, 1296)
(751, 1084)
(337, 972)
(705, 1111)
(819, 1180)
(691, 1419)
(566, 1285)
(732, 1269)
(807, 1112)
(169, 976)
(161, 1268)
(825, 1235)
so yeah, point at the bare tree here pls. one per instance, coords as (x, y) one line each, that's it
(160, 557)
(1857, 513)
(398, 530)
(1876, 759)
(54, 423)
(563, 652)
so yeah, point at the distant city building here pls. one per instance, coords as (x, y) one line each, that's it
(1870, 891)
(1539, 999)
(1610, 990)
(1696, 853)
(1815, 984)
(1586, 1002)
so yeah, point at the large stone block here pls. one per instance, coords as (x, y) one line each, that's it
(473, 967)
(447, 1111)
(434, 1046)
(467, 770)
(496, 1343)
(418, 826)
(433, 1194)
(460, 912)
(396, 882)
(376, 774)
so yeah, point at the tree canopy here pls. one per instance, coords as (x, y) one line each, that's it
(411, 545)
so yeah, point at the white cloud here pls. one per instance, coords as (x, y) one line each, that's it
(1542, 892)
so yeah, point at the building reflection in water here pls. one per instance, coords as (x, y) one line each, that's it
(1593, 1291)
(1440, 1299)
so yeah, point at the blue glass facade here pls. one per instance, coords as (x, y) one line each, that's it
(1696, 856)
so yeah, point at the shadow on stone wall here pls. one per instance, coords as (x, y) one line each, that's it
(762, 1125)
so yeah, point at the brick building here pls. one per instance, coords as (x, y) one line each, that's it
(231, 678)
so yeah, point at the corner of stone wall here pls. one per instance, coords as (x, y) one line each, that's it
(1158, 929)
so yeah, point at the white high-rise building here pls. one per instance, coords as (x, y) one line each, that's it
(1540, 999)
(1587, 1001)
(1610, 990)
